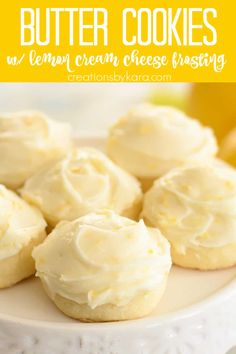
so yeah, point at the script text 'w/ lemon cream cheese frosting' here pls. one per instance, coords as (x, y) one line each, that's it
(28, 140)
(83, 181)
(21, 228)
(195, 208)
(151, 140)
(104, 267)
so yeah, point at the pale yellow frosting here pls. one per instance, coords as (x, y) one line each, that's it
(102, 258)
(194, 206)
(83, 181)
(151, 140)
(28, 140)
(19, 223)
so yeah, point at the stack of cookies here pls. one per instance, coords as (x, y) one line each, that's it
(102, 230)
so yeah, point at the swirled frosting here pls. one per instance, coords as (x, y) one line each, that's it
(194, 206)
(83, 181)
(102, 258)
(28, 140)
(19, 223)
(150, 140)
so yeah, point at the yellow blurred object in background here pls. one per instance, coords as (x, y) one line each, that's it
(214, 104)
(228, 148)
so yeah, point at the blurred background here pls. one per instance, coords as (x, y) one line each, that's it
(93, 107)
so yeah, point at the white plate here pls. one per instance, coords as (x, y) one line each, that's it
(196, 315)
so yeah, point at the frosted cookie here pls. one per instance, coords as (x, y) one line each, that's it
(28, 140)
(104, 267)
(195, 208)
(228, 148)
(82, 182)
(21, 228)
(151, 140)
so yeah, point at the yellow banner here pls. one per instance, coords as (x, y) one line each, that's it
(117, 41)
